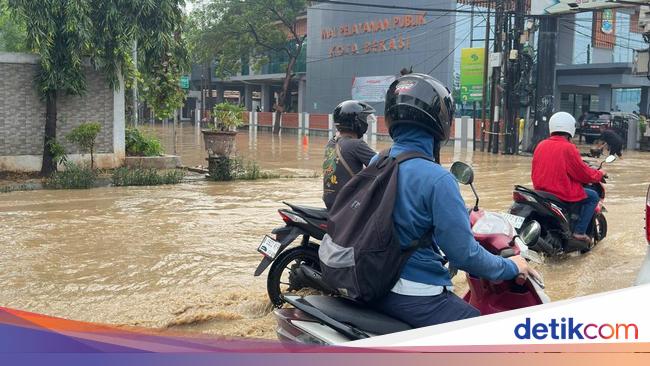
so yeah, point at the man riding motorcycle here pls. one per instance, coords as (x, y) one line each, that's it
(558, 169)
(419, 111)
(346, 154)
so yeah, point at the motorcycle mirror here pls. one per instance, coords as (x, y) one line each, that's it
(463, 173)
(530, 233)
(610, 159)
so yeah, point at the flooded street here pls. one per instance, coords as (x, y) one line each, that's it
(182, 257)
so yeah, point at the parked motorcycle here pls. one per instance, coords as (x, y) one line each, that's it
(328, 320)
(558, 218)
(644, 273)
(296, 268)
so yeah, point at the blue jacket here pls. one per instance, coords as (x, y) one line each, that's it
(428, 196)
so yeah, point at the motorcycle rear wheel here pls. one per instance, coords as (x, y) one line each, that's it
(284, 265)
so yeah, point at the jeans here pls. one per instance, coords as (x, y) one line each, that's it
(424, 311)
(586, 211)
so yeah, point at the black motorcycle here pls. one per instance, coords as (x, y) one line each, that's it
(296, 268)
(558, 218)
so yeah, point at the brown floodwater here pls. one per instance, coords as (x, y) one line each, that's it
(182, 257)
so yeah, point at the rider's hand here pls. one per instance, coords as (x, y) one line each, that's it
(523, 267)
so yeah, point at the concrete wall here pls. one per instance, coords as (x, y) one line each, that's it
(330, 76)
(22, 116)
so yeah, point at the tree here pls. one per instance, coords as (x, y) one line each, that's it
(68, 34)
(84, 136)
(235, 32)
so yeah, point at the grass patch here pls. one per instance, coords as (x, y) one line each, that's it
(75, 176)
(123, 177)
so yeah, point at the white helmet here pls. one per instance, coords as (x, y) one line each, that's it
(562, 122)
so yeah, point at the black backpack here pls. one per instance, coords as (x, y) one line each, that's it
(361, 256)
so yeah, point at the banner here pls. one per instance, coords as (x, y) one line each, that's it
(472, 64)
(371, 89)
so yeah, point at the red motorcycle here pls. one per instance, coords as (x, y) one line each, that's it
(328, 320)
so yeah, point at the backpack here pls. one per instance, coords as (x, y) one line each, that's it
(361, 256)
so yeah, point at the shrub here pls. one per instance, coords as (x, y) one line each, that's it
(226, 169)
(123, 177)
(140, 144)
(74, 176)
(84, 136)
(58, 153)
(229, 116)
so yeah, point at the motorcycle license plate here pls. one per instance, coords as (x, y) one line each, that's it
(269, 247)
(514, 220)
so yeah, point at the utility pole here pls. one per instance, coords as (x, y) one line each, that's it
(496, 79)
(485, 76)
(513, 97)
(135, 84)
(546, 65)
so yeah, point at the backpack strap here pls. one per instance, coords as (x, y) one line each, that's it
(410, 155)
(342, 159)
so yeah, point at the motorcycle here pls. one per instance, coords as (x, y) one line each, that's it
(301, 261)
(329, 320)
(558, 218)
(644, 274)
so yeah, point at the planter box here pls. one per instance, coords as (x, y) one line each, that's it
(219, 143)
(153, 162)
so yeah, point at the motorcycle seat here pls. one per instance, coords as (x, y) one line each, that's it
(348, 312)
(551, 197)
(311, 212)
(544, 195)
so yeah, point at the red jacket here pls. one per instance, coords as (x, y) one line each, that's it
(559, 169)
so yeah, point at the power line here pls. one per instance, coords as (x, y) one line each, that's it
(451, 53)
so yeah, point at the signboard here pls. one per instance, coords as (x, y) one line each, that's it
(231, 94)
(371, 89)
(550, 7)
(185, 82)
(472, 61)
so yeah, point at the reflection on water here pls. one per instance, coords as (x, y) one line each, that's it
(183, 256)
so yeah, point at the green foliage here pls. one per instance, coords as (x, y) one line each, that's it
(224, 169)
(140, 144)
(146, 177)
(12, 31)
(643, 125)
(234, 30)
(75, 176)
(229, 116)
(84, 136)
(57, 150)
(67, 33)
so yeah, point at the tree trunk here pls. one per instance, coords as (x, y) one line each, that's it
(49, 165)
(282, 98)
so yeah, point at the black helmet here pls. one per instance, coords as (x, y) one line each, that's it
(352, 115)
(422, 101)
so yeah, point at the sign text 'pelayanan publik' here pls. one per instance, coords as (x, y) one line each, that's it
(396, 42)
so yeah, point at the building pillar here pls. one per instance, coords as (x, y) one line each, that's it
(302, 95)
(220, 90)
(266, 98)
(604, 98)
(644, 108)
(248, 97)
